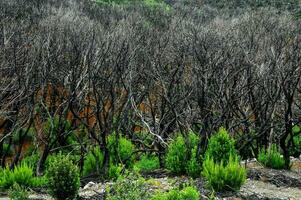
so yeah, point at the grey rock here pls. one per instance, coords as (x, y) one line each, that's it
(89, 185)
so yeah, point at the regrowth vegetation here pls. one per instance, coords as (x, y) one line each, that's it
(116, 86)
(221, 167)
(271, 158)
(182, 156)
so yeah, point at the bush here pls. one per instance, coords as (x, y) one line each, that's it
(31, 161)
(147, 163)
(296, 129)
(115, 171)
(121, 150)
(188, 193)
(192, 141)
(295, 148)
(155, 4)
(176, 156)
(131, 188)
(17, 192)
(53, 157)
(271, 158)
(38, 182)
(93, 160)
(193, 168)
(22, 175)
(222, 177)
(63, 178)
(182, 156)
(220, 147)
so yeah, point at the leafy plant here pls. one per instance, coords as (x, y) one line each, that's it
(188, 193)
(182, 156)
(132, 187)
(295, 148)
(17, 192)
(31, 161)
(271, 158)
(221, 146)
(222, 177)
(147, 162)
(121, 150)
(296, 129)
(39, 182)
(55, 156)
(193, 168)
(22, 175)
(115, 171)
(93, 161)
(63, 178)
(157, 4)
(176, 156)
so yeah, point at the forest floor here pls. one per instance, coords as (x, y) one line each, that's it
(262, 183)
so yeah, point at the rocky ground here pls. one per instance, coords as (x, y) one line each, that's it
(262, 183)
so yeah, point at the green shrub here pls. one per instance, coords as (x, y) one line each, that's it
(193, 168)
(188, 193)
(296, 129)
(222, 177)
(121, 150)
(31, 161)
(147, 162)
(63, 178)
(39, 182)
(93, 160)
(271, 158)
(133, 187)
(221, 146)
(52, 157)
(295, 148)
(157, 4)
(176, 156)
(192, 141)
(22, 175)
(114, 171)
(17, 192)
(182, 156)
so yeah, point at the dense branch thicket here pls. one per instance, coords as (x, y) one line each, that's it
(83, 70)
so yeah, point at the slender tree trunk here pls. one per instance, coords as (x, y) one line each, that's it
(42, 161)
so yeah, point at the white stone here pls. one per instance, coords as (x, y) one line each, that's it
(89, 185)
